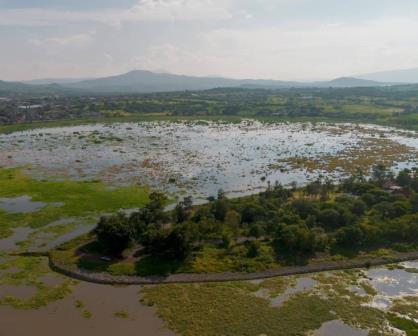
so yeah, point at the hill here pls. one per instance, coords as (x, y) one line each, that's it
(349, 82)
(395, 76)
(17, 88)
(146, 81)
(140, 81)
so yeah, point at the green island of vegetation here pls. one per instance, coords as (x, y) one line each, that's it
(360, 217)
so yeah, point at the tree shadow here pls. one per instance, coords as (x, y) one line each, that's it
(294, 259)
(91, 257)
(149, 265)
(345, 251)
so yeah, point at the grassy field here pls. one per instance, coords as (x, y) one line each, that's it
(32, 272)
(74, 199)
(235, 309)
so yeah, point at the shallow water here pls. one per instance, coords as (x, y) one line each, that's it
(395, 282)
(301, 285)
(410, 264)
(43, 242)
(19, 292)
(338, 328)
(38, 241)
(185, 158)
(358, 290)
(68, 316)
(381, 302)
(22, 204)
(64, 319)
(51, 279)
(19, 234)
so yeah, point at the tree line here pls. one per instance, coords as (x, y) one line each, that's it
(358, 214)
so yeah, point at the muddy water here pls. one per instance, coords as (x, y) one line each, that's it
(89, 310)
(65, 319)
(19, 234)
(19, 292)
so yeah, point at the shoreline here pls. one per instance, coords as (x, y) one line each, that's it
(108, 279)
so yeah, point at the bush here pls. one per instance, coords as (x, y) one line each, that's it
(253, 248)
(256, 230)
(220, 209)
(295, 239)
(174, 245)
(252, 213)
(349, 236)
(402, 247)
(115, 233)
(178, 243)
(330, 218)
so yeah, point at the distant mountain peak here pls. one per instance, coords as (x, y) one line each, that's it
(393, 76)
(145, 81)
(353, 82)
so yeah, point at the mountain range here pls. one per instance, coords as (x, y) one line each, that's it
(397, 76)
(140, 81)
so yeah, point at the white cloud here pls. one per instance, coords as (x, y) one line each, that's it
(33, 17)
(313, 50)
(182, 10)
(182, 60)
(236, 38)
(144, 10)
(63, 41)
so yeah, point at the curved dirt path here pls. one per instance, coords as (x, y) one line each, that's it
(106, 278)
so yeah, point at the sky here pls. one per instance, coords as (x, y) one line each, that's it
(272, 39)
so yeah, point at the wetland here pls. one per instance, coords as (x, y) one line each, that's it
(55, 184)
(198, 158)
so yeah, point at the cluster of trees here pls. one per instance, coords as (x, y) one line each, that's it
(25, 110)
(296, 102)
(151, 227)
(359, 213)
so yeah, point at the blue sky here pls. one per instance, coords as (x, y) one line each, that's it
(280, 39)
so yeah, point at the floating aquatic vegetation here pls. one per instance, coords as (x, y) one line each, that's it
(199, 158)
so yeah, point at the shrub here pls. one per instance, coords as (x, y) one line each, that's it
(253, 248)
(115, 232)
